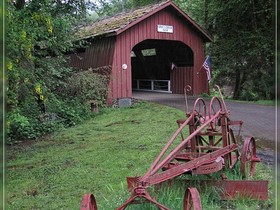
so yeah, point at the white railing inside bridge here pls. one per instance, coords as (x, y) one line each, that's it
(152, 85)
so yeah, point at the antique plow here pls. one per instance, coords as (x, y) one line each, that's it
(211, 146)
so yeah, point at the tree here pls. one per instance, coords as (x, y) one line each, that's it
(246, 47)
(39, 34)
(243, 47)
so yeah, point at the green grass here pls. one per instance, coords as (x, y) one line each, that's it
(260, 102)
(95, 157)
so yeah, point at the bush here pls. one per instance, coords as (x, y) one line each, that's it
(69, 111)
(28, 122)
(65, 103)
(38, 72)
(19, 127)
(89, 85)
(248, 92)
(30, 126)
(248, 95)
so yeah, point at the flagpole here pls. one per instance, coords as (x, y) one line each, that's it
(206, 66)
(209, 88)
(199, 70)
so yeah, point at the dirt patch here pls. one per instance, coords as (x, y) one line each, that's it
(29, 142)
(122, 122)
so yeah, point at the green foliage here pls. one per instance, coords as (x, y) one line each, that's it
(68, 112)
(246, 48)
(247, 94)
(89, 85)
(40, 34)
(243, 48)
(19, 126)
(31, 123)
(33, 34)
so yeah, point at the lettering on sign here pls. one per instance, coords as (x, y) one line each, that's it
(165, 29)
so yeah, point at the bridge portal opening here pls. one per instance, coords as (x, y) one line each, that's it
(154, 62)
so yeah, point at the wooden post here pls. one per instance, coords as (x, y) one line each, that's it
(94, 106)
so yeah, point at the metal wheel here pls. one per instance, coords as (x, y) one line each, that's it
(248, 158)
(88, 202)
(199, 110)
(214, 107)
(192, 200)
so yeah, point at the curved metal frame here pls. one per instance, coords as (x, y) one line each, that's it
(215, 103)
(192, 200)
(88, 202)
(187, 88)
(199, 111)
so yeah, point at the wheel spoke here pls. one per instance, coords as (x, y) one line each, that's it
(215, 106)
(199, 111)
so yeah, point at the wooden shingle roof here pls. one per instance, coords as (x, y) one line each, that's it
(120, 22)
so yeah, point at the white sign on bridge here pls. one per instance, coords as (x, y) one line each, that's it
(165, 29)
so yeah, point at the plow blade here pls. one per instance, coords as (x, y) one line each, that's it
(229, 189)
(253, 189)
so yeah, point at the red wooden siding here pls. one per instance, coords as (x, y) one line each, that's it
(147, 29)
(77, 60)
(180, 77)
(100, 53)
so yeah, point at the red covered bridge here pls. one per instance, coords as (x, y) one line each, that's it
(157, 47)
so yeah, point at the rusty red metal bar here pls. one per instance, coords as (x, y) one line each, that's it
(230, 189)
(188, 166)
(155, 167)
(253, 189)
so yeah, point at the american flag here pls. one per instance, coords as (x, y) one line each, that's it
(206, 66)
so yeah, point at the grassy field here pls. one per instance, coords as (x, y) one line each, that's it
(96, 157)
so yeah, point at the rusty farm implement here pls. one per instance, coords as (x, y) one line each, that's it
(211, 146)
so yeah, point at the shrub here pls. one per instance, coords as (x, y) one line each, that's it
(248, 93)
(37, 66)
(65, 101)
(19, 127)
(69, 111)
(30, 124)
(89, 85)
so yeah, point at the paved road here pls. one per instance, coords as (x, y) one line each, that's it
(259, 120)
